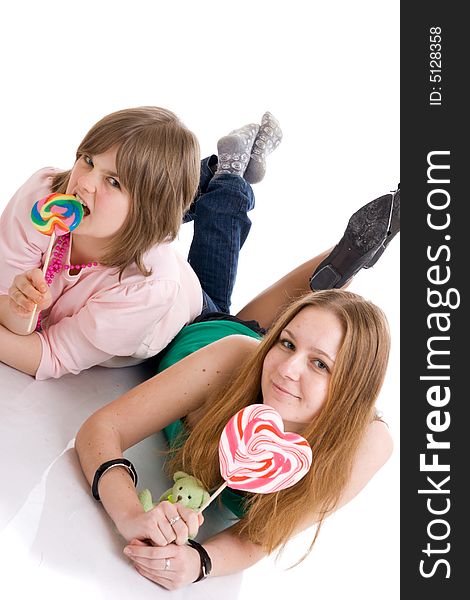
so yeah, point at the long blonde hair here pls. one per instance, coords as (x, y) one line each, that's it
(157, 162)
(334, 434)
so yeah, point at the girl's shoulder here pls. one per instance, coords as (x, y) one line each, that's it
(378, 440)
(41, 179)
(17, 213)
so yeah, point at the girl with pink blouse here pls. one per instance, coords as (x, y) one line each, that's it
(122, 292)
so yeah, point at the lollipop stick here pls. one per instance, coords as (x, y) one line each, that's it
(213, 497)
(44, 269)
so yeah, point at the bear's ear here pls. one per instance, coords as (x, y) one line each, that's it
(166, 495)
(179, 475)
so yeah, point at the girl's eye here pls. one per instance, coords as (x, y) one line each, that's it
(114, 182)
(321, 365)
(287, 344)
(88, 160)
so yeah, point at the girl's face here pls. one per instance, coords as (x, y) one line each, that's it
(297, 369)
(106, 203)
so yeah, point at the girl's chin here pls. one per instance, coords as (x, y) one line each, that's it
(81, 229)
(273, 403)
(290, 426)
(269, 402)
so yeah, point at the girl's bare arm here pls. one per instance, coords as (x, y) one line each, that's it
(373, 452)
(144, 410)
(23, 352)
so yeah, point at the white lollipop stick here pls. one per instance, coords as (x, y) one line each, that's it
(44, 269)
(213, 497)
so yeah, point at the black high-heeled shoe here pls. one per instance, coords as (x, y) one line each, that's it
(368, 233)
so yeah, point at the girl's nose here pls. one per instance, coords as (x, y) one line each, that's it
(86, 183)
(291, 368)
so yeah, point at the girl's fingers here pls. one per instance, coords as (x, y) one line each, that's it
(192, 523)
(145, 572)
(181, 530)
(171, 567)
(191, 520)
(165, 582)
(174, 518)
(21, 303)
(28, 288)
(153, 564)
(157, 537)
(145, 551)
(38, 280)
(136, 542)
(155, 560)
(166, 531)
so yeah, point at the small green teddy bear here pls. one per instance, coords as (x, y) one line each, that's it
(187, 490)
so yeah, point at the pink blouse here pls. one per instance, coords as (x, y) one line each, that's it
(95, 319)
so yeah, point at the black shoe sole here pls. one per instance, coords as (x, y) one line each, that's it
(368, 233)
(392, 231)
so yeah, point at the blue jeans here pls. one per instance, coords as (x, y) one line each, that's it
(221, 226)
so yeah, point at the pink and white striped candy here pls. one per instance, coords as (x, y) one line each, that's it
(256, 455)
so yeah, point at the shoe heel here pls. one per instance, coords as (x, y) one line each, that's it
(324, 279)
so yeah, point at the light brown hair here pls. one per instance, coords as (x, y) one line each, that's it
(157, 162)
(334, 434)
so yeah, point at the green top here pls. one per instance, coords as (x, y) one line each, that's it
(189, 339)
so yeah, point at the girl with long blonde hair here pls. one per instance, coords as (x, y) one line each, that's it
(317, 357)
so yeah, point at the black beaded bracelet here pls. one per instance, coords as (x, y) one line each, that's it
(206, 563)
(109, 464)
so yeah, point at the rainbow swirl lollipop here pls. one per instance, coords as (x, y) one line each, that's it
(57, 214)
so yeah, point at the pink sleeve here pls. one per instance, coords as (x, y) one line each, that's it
(114, 322)
(21, 245)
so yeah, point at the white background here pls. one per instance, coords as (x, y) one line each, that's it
(329, 71)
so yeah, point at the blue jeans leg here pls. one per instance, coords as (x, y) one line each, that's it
(221, 226)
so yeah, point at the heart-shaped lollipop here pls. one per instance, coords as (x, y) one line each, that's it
(257, 455)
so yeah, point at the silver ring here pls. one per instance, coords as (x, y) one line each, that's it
(167, 564)
(174, 519)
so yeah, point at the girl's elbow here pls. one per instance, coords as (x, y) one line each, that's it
(80, 438)
(85, 434)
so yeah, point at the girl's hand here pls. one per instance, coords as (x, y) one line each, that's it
(171, 567)
(164, 524)
(28, 290)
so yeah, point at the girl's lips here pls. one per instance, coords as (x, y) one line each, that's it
(284, 391)
(86, 210)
